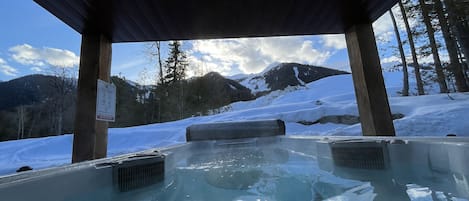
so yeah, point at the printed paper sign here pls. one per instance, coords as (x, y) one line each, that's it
(106, 102)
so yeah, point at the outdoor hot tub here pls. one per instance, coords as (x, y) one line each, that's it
(262, 168)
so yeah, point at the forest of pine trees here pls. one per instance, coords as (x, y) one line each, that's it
(434, 27)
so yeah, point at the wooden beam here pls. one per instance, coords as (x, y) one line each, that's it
(372, 100)
(100, 149)
(95, 62)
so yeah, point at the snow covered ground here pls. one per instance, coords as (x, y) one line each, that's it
(430, 115)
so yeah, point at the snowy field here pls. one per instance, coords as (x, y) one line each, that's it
(430, 115)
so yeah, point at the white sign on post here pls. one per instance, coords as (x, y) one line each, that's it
(106, 102)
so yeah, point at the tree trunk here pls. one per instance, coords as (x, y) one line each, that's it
(405, 89)
(18, 114)
(158, 49)
(60, 122)
(416, 64)
(436, 56)
(463, 35)
(35, 116)
(21, 117)
(460, 30)
(464, 66)
(451, 47)
(181, 100)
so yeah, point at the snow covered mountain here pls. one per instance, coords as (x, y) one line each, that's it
(279, 76)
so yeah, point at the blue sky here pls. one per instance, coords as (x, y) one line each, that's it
(34, 41)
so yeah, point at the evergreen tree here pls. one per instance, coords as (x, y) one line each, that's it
(175, 64)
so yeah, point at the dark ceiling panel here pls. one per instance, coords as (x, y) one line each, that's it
(152, 20)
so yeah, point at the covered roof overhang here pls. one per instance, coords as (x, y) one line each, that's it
(103, 22)
(161, 20)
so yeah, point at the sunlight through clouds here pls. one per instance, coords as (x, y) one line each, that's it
(252, 55)
(200, 66)
(28, 55)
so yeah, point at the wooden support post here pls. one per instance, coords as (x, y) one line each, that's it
(100, 149)
(372, 100)
(90, 135)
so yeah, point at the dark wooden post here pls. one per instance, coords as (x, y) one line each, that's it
(372, 100)
(90, 135)
(100, 149)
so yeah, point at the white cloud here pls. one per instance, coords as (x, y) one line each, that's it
(36, 69)
(383, 28)
(336, 41)
(201, 66)
(6, 69)
(27, 55)
(252, 55)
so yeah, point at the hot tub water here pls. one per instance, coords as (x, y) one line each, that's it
(270, 174)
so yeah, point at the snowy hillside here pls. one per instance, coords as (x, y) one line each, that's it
(302, 108)
(279, 76)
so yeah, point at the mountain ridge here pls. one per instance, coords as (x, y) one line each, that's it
(282, 75)
(137, 104)
(34, 88)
